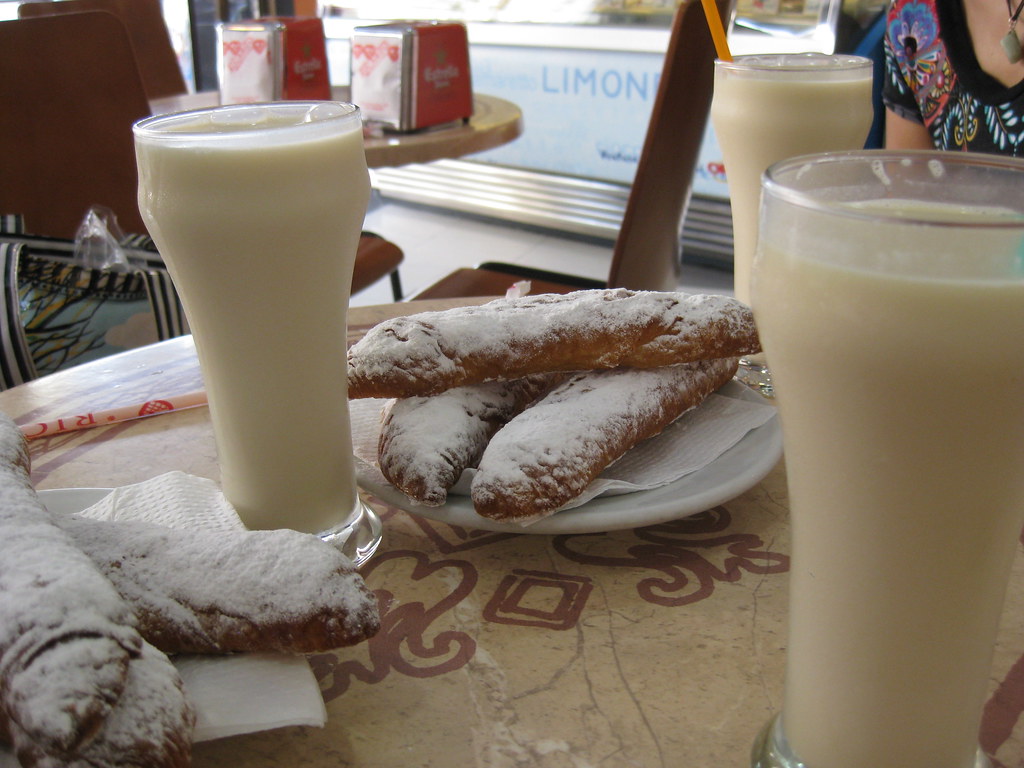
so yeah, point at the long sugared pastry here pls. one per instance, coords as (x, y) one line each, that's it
(548, 454)
(197, 591)
(426, 442)
(66, 636)
(150, 726)
(508, 338)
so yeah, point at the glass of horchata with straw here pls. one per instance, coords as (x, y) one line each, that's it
(765, 108)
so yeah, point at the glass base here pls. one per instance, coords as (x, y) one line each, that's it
(771, 750)
(756, 376)
(359, 537)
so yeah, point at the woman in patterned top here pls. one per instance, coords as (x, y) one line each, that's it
(954, 78)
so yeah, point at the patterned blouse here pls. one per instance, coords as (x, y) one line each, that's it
(933, 77)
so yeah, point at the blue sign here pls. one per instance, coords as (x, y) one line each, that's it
(585, 113)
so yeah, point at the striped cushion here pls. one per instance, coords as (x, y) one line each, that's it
(141, 253)
(73, 314)
(16, 366)
(167, 309)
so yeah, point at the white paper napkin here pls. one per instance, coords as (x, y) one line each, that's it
(689, 444)
(235, 694)
(243, 693)
(250, 692)
(232, 695)
(174, 500)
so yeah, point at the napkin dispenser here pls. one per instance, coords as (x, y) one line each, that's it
(272, 59)
(412, 74)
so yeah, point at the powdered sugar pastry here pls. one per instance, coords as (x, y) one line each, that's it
(508, 338)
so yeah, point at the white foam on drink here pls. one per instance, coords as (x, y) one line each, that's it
(247, 125)
(789, 66)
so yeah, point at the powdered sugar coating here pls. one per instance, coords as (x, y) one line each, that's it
(548, 454)
(255, 590)
(66, 637)
(508, 338)
(427, 442)
(150, 726)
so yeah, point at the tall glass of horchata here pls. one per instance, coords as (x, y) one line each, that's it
(768, 107)
(889, 293)
(257, 211)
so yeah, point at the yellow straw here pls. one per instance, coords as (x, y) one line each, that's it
(717, 30)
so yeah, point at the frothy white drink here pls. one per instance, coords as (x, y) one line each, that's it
(768, 107)
(257, 214)
(899, 376)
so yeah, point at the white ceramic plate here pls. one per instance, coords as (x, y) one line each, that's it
(735, 471)
(68, 501)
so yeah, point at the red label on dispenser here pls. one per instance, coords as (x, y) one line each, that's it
(305, 61)
(412, 75)
(273, 58)
(442, 90)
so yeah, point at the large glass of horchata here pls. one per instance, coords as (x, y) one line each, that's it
(257, 211)
(889, 293)
(767, 107)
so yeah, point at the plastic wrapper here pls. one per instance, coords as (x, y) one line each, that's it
(98, 241)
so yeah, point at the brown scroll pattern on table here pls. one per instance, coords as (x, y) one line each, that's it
(684, 553)
(403, 643)
(559, 608)
(417, 639)
(674, 550)
(1002, 713)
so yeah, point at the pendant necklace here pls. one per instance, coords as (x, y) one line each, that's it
(1010, 42)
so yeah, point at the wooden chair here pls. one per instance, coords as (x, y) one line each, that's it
(147, 31)
(377, 258)
(69, 94)
(646, 254)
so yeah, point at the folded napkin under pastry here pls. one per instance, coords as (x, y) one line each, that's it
(250, 692)
(243, 693)
(235, 694)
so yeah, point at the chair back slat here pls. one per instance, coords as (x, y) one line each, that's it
(647, 249)
(69, 94)
(147, 30)
(16, 366)
(167, 309)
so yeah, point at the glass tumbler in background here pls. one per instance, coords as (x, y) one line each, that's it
(768, 107)
(257, 211)
(889, 293)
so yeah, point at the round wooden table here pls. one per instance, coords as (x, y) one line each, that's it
(494, 122)
(661, 646)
